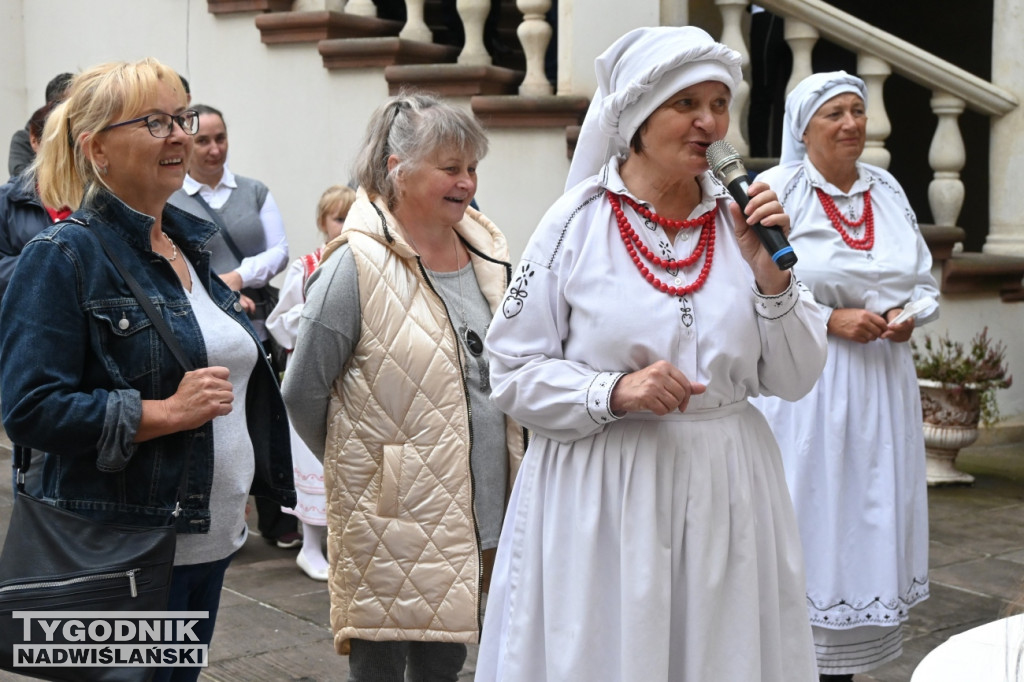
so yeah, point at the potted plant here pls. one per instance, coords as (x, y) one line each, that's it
(958, 388)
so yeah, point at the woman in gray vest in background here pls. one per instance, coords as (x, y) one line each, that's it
(247, 252)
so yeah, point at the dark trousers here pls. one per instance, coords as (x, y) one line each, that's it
(271, 521)
(389, 661)
(195, 588)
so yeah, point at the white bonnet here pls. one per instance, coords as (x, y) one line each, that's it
(635, 76)
(806, 98)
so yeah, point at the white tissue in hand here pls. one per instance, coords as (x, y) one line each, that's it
(922, 306)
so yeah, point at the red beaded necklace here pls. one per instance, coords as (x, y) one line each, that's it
(866, 242)
(630, 238)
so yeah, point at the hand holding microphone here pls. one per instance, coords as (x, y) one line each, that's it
(728, 167)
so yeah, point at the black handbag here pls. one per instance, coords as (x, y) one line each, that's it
(56, 560)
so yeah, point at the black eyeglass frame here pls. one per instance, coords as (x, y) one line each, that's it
(175, 118)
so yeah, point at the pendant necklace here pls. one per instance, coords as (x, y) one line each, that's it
(474, 344)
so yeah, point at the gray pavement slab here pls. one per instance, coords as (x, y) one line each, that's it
(274, 621)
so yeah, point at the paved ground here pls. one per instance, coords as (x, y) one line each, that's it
(273, 623)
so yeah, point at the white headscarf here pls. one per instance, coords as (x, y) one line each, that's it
(635, 76)
(806, 98)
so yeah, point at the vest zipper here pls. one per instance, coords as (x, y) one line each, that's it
(472, 479)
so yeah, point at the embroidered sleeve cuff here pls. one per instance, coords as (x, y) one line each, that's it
(774, 307)
(599, 397)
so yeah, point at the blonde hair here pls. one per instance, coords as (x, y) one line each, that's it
(335, 199)
(97, 97)
(412, 127)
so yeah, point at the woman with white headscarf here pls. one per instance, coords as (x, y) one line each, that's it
(650, 535)
(853, 447)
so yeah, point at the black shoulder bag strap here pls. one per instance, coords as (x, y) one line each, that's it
(158, 321)
(222, 225)
(22, 456)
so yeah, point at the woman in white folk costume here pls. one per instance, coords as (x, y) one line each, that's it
(650, 535)
(853, 447)
(283, 325)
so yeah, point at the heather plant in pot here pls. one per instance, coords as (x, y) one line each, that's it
(958, 383)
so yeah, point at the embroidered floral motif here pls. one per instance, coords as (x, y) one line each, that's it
(515, 300)
(667, 254)
(686, 311)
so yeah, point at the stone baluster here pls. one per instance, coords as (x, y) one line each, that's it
(732, 35)
(946, 157)
(534, 33)
(801, 38)
(874, 71)
(363, 8)
(415, 26)
(473, 14)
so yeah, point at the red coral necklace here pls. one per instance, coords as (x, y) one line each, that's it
(636, 248)
(866, 242)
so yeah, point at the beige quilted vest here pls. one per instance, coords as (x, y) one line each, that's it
(402, 541)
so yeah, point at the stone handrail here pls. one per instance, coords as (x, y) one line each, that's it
(906, 59)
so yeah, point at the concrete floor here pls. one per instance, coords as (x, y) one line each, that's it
(273, 623)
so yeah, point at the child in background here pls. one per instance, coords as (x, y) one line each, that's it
(283, 324)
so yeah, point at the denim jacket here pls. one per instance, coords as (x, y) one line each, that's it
(78, 355)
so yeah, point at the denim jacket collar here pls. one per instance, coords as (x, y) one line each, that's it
(188, 231)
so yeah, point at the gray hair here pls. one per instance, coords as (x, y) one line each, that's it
(412, 127)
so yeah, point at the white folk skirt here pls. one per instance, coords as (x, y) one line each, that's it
(853, 450)
(662, 548)
(310, 499)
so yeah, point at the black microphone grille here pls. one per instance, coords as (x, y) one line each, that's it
(721, 153)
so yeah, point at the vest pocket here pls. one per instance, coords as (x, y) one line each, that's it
(392, 485)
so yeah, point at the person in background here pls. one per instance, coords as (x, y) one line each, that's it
(91, 383)
(650, 535)
(853, 447)
(247, 252)
(283, 325)
(22, 214)
(21, 153)
(389, 385)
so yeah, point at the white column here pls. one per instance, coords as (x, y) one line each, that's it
(946, 157)
(801, 38)
(732, 35)
(1006, 145)
(535, 34)
(585, 34)
(363, 8)
(473, 14)
(874, 71)
(415, 27)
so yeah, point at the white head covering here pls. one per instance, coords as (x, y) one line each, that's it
(635, 76)
(806, 98)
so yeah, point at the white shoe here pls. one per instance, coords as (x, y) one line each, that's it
(303, 563)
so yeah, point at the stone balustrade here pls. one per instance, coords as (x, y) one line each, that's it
(878, 55)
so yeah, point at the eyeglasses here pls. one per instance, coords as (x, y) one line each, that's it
(162, 125)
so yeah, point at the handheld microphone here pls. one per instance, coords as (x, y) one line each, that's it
(727, 166)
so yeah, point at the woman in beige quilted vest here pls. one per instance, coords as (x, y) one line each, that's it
(389, 384)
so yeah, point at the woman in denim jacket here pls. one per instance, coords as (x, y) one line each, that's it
(85, 377)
